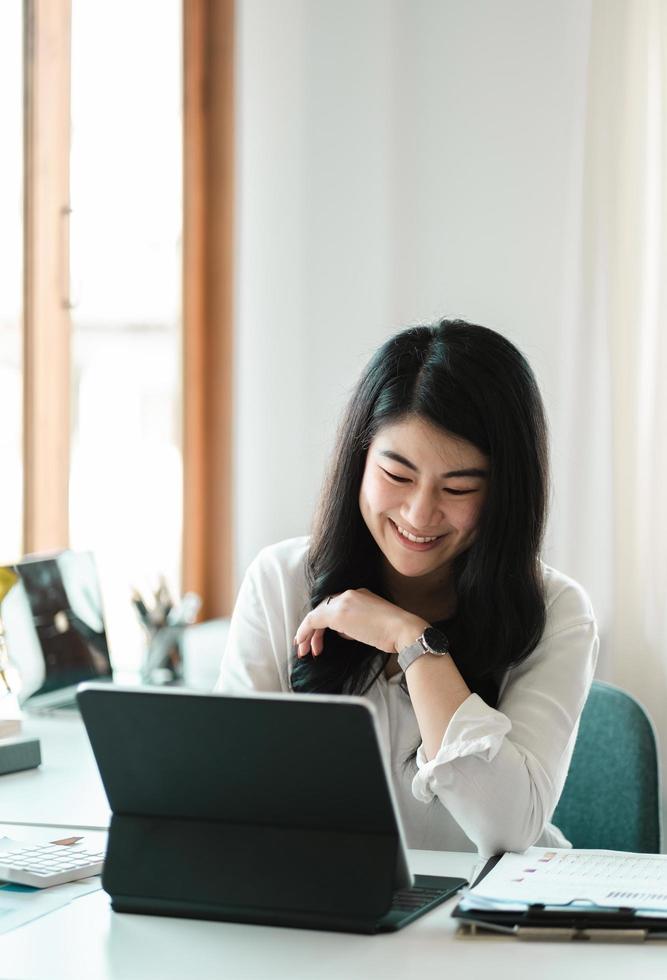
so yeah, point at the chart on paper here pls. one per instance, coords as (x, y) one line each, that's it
(552, 876)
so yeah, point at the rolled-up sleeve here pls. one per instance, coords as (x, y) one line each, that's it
(500, 771)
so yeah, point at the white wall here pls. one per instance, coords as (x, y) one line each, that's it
(398, 160)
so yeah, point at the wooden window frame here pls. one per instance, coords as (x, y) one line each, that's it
(46, 315)
(208, 287)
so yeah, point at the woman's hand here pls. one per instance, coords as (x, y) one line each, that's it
(358, 614)
(435, 685)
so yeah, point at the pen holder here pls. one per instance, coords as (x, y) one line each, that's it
(163, 660)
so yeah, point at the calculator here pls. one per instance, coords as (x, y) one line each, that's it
(50, 863)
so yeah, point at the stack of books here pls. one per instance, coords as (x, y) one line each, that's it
(16, 750)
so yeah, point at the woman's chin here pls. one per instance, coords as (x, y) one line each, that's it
(415, 565)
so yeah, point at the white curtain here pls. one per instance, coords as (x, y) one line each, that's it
(613, 480)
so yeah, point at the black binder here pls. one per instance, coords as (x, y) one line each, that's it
(561, 922)
(268, 809)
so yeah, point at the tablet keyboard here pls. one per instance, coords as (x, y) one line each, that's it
(412, 899)
(53, 863)
(427, 892)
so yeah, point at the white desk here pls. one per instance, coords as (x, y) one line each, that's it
(86, 941)
(66, 789)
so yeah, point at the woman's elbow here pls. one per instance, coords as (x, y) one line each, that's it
(514, 829)
(491, 843)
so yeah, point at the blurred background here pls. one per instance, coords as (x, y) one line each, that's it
(238, 201)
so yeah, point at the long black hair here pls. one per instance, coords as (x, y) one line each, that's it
(474, 384)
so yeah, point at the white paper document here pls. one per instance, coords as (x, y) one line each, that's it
(576, 878)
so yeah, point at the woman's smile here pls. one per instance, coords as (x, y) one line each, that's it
(415, 542)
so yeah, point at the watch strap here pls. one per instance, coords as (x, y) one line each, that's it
(431, 641)
(409, 654)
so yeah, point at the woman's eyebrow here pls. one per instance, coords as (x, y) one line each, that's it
(471, 471)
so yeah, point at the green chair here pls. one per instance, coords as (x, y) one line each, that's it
(611, 798)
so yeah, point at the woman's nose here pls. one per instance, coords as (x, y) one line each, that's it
(422, 509)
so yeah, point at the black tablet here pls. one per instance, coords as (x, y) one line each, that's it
(267, 808)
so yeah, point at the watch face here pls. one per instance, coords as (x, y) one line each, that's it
(436, 640)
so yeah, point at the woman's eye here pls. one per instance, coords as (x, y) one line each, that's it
(458, 493)
(394, 477)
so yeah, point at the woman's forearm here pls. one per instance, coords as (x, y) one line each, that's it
(436, 690)
(435, 685)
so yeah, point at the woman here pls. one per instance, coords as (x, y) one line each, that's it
(422, 589)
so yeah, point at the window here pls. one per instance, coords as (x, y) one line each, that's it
(116, 240)
(125, 500)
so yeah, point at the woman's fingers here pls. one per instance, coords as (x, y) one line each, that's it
(309, 641)
(310, 634)
(317, 643)
(302, 642)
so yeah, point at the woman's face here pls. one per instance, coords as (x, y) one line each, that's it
(422, 483)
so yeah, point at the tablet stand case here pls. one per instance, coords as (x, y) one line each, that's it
(270, 875)
(297, 829)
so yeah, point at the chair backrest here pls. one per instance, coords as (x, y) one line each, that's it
(611, 797)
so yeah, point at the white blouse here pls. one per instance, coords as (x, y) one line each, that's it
(498, 774)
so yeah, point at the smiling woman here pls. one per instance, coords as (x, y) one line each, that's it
(422, 588)
(429, 503)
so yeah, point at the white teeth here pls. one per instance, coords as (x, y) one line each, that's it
(413, 537)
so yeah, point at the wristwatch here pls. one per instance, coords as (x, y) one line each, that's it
(431, 641)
